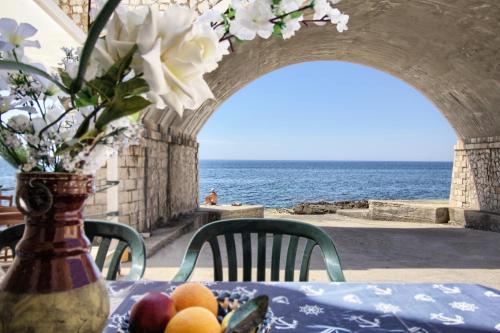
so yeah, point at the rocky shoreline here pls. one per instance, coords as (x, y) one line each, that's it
(323, 207)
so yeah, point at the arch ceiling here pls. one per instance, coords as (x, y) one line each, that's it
(447, 49)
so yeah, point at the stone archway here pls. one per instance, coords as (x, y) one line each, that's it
(447, 49)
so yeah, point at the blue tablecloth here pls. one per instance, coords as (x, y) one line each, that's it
(349, 307)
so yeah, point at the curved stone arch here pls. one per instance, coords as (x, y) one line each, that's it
(448, 50)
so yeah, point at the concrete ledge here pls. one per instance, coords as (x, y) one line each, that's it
(409, 211)
(356, 213)
(183, 225)
(224, 212)
(475, 219)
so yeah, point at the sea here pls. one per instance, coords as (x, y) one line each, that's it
(282, 184)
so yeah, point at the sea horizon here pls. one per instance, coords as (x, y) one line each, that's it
(284, 183)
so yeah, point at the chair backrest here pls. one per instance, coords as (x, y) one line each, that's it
(126, 236)
(261, 227)
(8, 198)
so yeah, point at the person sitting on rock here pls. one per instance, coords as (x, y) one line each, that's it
(211, 199)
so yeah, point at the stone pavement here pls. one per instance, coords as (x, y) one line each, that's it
(377, 251)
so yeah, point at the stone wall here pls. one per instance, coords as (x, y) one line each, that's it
(183, 175)
(77, 10)
(158, 181)
(96, 205)
(476, 175)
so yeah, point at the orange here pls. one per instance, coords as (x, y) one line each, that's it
(194, 294)
(193, 320)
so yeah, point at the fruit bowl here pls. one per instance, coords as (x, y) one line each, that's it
(264, 327)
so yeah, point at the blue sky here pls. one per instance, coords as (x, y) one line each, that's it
(328, 111)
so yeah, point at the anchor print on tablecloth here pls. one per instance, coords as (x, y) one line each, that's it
(491, 294)
(281, 300)
(424, 298)
(330, 329)
(447, 290)
(351, 298)
(311, 291)
(364, 323)
(280, 323)
(448, 320)
(380, 291)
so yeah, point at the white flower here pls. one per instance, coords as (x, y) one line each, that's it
(14, 36)
(121, 35)
(19, 122)
(323, 9)
(288, 6)
(175, 56)
(341, 20)
(252, 18)
(291, 26)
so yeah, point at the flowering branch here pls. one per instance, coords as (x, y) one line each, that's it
(14, 65)
(75, 122)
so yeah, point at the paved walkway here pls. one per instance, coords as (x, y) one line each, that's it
(377, 251)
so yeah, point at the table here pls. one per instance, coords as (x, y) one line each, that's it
(348, 307)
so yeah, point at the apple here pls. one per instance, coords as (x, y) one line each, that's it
(152, 313)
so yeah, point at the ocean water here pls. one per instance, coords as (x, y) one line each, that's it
(7, 175)
(285, 183)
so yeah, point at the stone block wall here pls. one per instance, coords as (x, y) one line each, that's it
(77, 10)
(96, 205)
(183, 175)
(476, 175)
(158, 181)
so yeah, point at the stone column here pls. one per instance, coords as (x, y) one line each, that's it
(475, 188)
(183, 176)
(158, 181)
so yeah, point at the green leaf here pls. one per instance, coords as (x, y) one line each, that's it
(117, 71)
(65, 78)
(121, 108)
(277, 30)
(296, 15)
(86, 98)
(248, 316)
(106, 84)
(276, 2)
(230, 13)
(135, 86)
(93, 35)
(18, 66)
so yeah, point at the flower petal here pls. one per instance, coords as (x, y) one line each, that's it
(6, 46)
(7, 26)
(30, 43)
(26, 30)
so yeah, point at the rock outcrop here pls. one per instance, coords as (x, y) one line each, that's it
(325, 207)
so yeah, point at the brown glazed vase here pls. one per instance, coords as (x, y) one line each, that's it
(53, 284)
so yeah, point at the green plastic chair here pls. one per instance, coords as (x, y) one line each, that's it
(277, 227)
(127, 237)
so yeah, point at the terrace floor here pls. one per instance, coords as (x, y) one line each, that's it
(376, 251)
